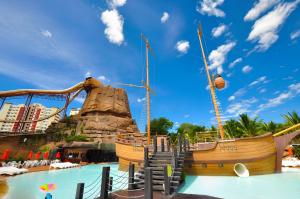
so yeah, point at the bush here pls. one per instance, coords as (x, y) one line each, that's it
(77, 138)
(297, 151)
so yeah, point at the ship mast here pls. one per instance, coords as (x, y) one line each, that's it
(211, 86)
(147, 86)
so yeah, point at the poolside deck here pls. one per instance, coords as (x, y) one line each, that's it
(156, 195)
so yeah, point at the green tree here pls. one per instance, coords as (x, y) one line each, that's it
(248, 126)
(189, 131)
(292, 118)
(270, 127)
(160, 126)
(232, 129)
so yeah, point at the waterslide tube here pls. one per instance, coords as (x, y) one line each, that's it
(241, 170)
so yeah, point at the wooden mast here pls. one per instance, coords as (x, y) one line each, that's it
(211, 86)
(147, 86)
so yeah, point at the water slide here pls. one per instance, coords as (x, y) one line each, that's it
(88, 84)
(241, 170)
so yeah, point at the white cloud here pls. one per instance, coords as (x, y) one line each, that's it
(262, 79)
(209, 7)
(46, 33)
(241, 107)
(293, 91)
(229, 74)
(218, 31)
(246, 69)
(235, 62)
(217, 57)
(139, 100)
(88, 74)
(114, 26)
(80, 99)
(259, 7)
(242, 91)
(182, 46)
(265, 29)
(231, 98)
(103, 79)
(207, 87)
(186, 116)
(295, 34)
(164, 17)
(116, 3)
(263, 90)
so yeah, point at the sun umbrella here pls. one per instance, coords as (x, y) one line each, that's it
(57, 156)
(5, 155)
(47, 187)
(38, 155)
(29, 157)
(46, 155)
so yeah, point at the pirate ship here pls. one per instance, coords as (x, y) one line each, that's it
(261, 154)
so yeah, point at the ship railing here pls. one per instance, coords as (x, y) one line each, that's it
(288, 130)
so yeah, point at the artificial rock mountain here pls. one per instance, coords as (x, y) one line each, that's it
(104, 114)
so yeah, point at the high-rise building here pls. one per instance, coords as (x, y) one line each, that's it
(12, 113)
(37, 113)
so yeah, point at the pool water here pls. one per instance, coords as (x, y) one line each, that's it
(27, 185)
(285, 185)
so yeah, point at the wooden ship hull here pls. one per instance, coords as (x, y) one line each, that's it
(260, 154)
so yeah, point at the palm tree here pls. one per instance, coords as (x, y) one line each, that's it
(270, 127)
(232, 130)
(292, 118)
(248, 126)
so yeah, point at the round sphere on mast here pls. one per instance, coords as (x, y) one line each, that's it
(219, 82)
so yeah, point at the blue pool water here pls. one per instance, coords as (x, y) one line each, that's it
(285, 185)
(274, 186)
(27, 185)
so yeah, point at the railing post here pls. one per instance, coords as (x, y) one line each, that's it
(180, 143)
(148, 184)
(175, 161)
(162, 143)
(154, 144)
(111, 179)
(104, 183)
(131, 176)
(166, 181)
(79, 191)
(146, 161)
(168, 145)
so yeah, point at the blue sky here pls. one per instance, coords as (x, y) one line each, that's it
(253, 44)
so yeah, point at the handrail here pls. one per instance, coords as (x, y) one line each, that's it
(287, 130)
(131, 139)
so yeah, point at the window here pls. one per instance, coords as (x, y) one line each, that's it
(220, 165)
(204, 165)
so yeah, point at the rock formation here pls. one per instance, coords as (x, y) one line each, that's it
(104, 114)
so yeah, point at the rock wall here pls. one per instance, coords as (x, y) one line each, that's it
(104, 114)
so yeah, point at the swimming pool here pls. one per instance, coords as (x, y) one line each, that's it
(285, 185)
(27, 185)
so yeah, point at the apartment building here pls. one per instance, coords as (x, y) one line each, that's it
(40, 116)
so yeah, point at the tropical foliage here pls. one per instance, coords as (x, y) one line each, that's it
(292, 118)
(160, 126)
(189, 131)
